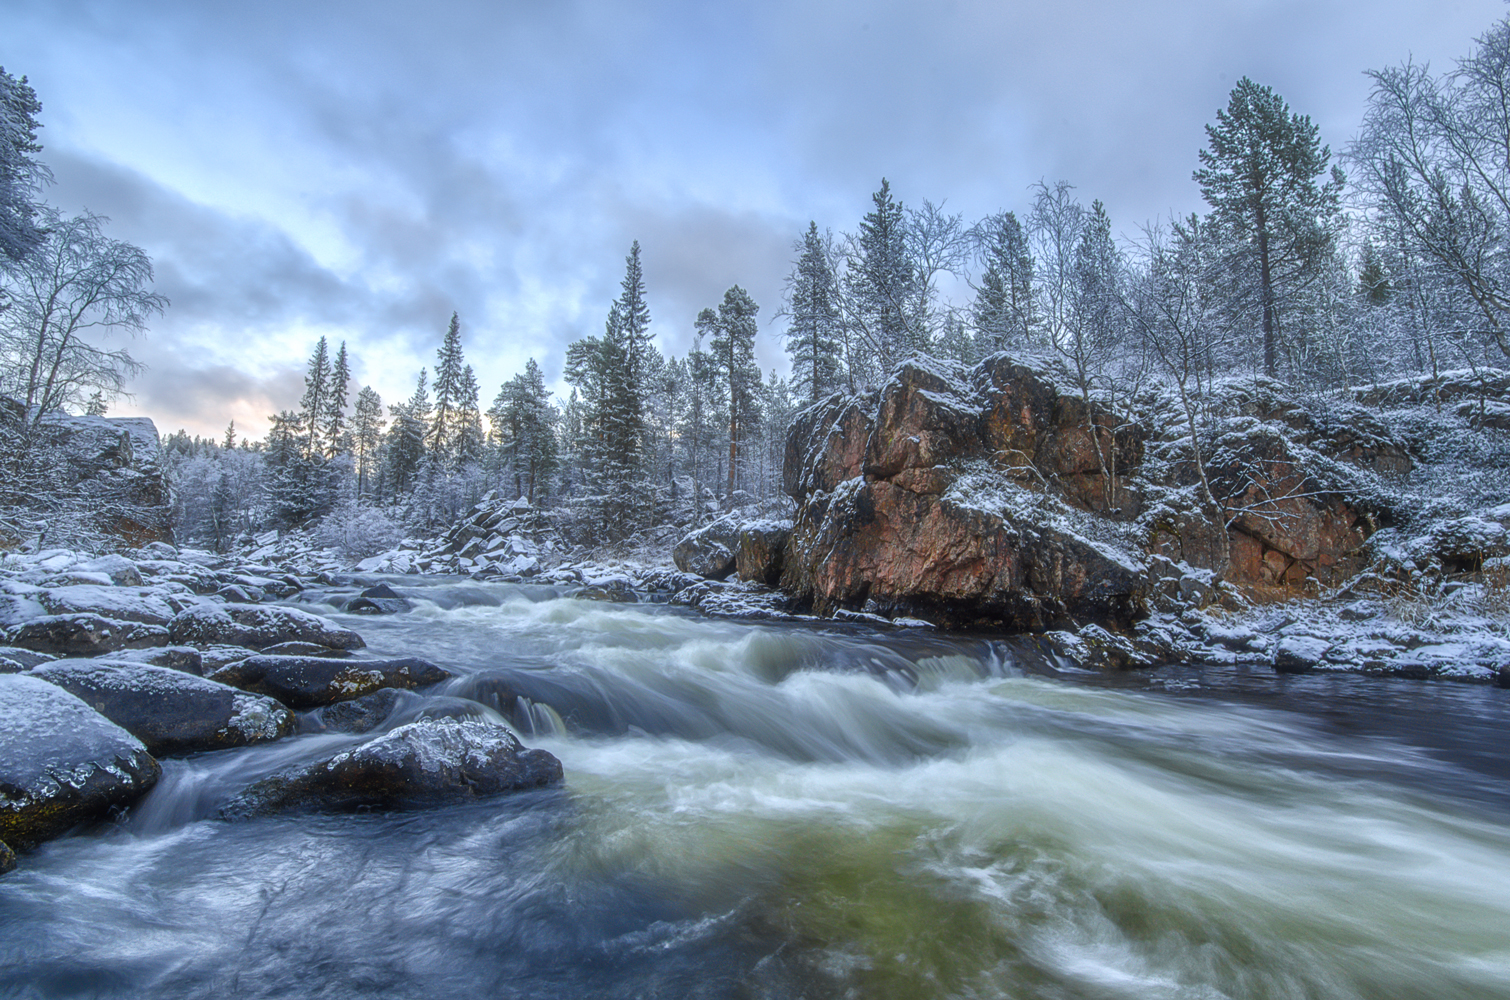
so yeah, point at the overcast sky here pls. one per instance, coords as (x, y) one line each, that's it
(360, 170)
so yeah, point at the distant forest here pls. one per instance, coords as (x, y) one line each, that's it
(1318, 270)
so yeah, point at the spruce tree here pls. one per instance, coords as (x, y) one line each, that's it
(1003, 312)
(468, 438)
(333, 419)
(884, 282)
(313, 405)
(448, 376)
(813, 313)
(367, 435)
(1259, 175)
(733, 350)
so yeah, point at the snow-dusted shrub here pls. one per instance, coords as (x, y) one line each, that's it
(357, 531)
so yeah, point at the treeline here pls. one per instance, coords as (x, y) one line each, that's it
(1300, 271)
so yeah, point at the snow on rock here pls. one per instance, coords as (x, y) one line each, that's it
(311, 681)
(1298, 654)
(61, 762)
(258, 626)
(426, 763)
(710, 550)
(85, 635)
(170, 711)
(127, 604)
(121, 571)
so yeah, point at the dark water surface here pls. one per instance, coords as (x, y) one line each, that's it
(795, 811)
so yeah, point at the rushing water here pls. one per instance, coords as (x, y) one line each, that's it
(788, 811)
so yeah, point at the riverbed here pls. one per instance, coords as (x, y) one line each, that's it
(800, 810)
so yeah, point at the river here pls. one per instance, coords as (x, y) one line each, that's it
(787, 810)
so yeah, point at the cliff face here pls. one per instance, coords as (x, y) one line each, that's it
(967, 496)
(993, 496)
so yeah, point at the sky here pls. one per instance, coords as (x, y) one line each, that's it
(361, 170)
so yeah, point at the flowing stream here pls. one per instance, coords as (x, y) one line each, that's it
(779, 810)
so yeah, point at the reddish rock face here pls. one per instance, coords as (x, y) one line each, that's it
(886, 523)
(1285, 526)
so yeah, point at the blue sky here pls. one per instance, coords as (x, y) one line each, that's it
(359, 170)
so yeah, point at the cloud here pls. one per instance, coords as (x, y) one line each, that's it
(359, 169)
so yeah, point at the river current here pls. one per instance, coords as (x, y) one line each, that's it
(788, 810)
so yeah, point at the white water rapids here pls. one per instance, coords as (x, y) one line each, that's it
(789, 811)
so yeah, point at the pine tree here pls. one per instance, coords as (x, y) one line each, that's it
(333, 419)
(407, 434)
(733, 350)
(448, 375)
(813, 312)
(1259, 175)
(1003, 312)
(468, 436)
(97, 406)
(316, 395)
(884, 282)
(367, 434)
(524, 422)
(229, 441)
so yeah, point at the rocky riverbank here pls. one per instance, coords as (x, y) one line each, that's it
(108, 664)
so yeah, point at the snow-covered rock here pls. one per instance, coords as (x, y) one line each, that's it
(85, 635)
(1298, 654)
(311, 681)
(170, 711)
(425, 763)
(61, 762)
(258, 626)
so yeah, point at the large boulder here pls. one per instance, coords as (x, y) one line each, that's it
(61, 762)
(112, 464)
(126, 604)
(710, 550)
(171, 712)
(258, 626)
(761, 548)
(311, 681)
(85, 635)
(425, 763)
(121, 571)
(982, 496)
(379, 600)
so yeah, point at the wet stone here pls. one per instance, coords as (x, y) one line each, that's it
(311, 681)
(61, 762)
(85, 635)
(304, 649)
(7, 859)
(360, 715)
(427, 763)
(171, 712)
(184, 658)
(258, 626)
(379, 600)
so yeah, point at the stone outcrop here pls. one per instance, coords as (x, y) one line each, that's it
(761, 551)
(426, 763)
(112, 466)
(61, 762)
(995, 496)
(709, 551)
(965, 496)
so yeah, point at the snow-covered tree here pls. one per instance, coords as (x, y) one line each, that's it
(812, 311)
(1259, 175)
